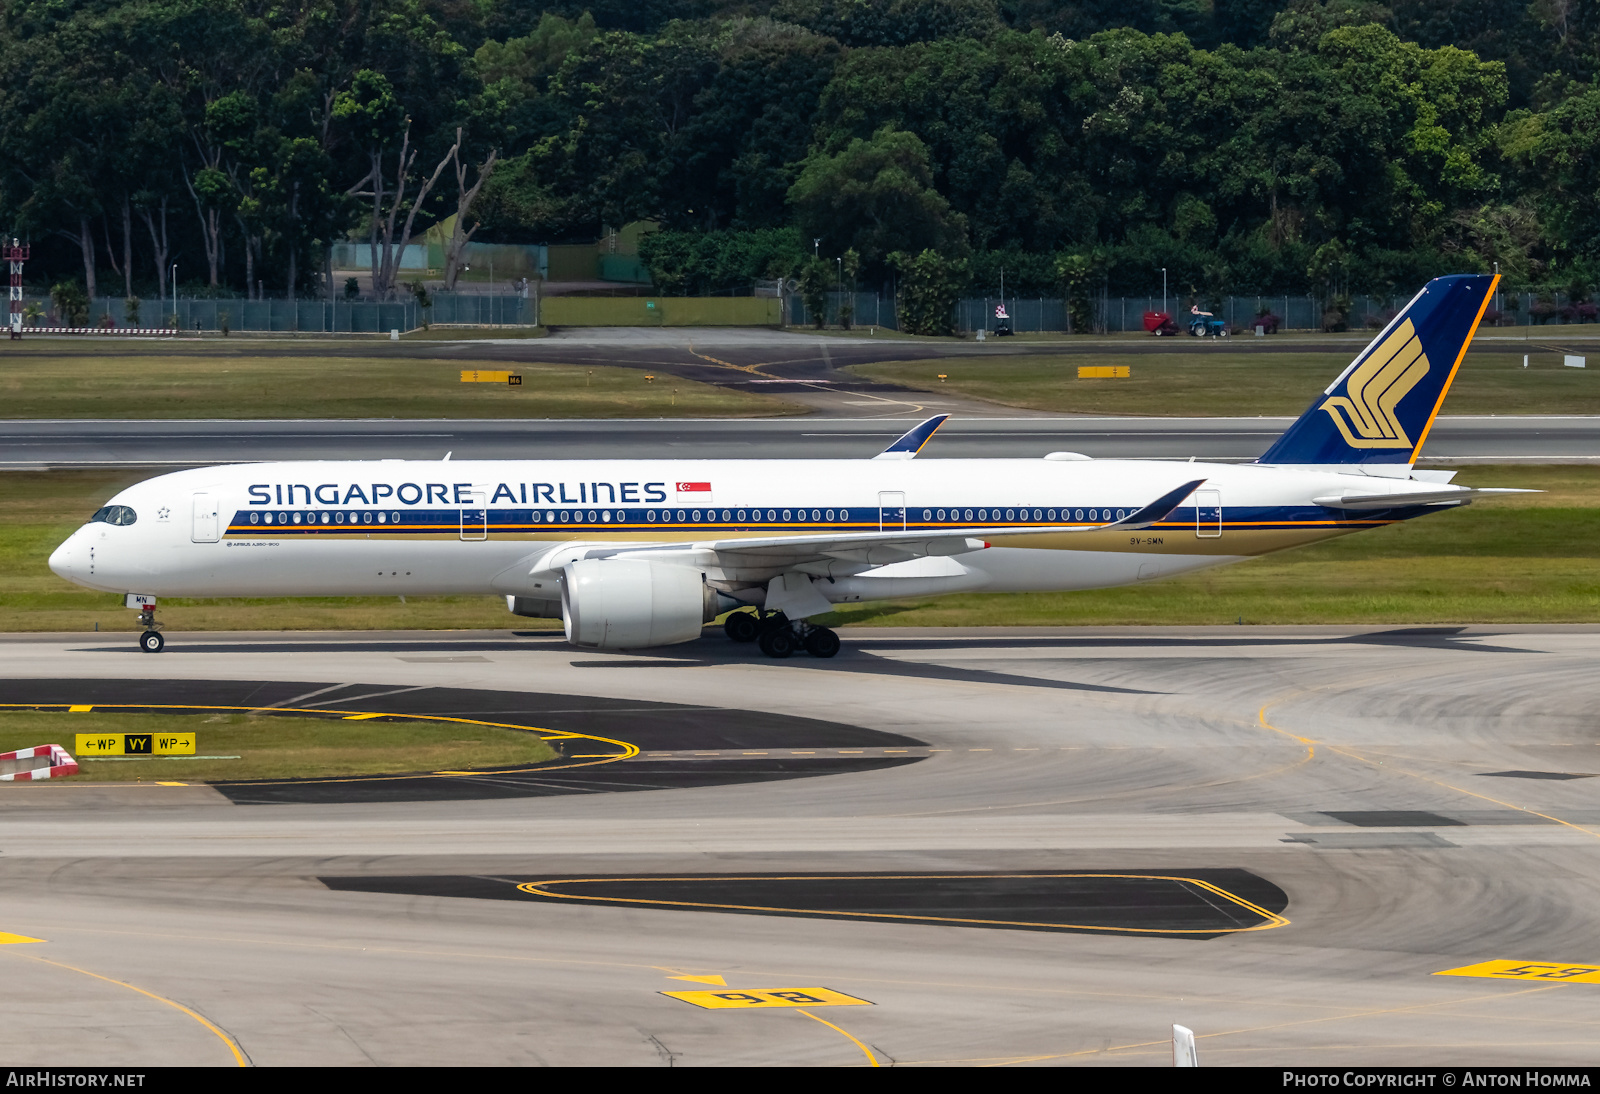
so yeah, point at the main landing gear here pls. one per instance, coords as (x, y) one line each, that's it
(778, 637)
(150, 641)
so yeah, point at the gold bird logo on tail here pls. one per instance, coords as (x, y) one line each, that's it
(1365, 414)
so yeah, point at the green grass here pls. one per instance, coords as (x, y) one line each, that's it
(1520, 559)
(277, 746)
(212, 381)
(1210, 379)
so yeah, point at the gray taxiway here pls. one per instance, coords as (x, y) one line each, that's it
(156, 444)
(1424, 798)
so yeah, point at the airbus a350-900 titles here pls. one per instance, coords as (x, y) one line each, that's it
(639, 553)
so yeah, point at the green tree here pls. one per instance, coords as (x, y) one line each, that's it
(815, 281)
(703, 263)
(1556, 154)
(71, 303)
(875, 197)
(1076, 272)
(930, 284)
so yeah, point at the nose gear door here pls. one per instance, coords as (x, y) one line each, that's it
(206, 525)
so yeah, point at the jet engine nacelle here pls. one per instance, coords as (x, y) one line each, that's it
(626, 603)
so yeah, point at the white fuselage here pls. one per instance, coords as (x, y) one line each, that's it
(486, 527)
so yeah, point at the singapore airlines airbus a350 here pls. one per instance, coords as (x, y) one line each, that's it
(639, 553)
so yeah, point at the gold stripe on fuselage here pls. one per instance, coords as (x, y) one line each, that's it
(1238, 538)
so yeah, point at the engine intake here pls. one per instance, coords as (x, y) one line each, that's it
(625, 603)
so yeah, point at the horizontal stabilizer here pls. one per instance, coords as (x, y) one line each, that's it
(908, 446)
(1458, 495)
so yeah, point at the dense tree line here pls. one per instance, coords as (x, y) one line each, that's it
(1080, 145)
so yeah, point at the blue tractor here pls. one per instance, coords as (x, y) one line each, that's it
(1203, 323)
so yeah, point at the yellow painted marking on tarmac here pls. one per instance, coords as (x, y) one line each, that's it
(1529, 970)
(233, 1046)
(628, 750)
(711, 979)
(79, 710)
(1270, 920)
(16, 939)
(767, 998)
(1350, 753)
(871, 1059)
(172, 784)
(360, 717)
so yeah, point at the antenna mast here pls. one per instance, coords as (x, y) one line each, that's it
(16, 254)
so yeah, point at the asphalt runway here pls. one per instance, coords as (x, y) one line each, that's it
(1276, 836)
(159, 444)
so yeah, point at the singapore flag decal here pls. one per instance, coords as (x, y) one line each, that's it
(694, 488)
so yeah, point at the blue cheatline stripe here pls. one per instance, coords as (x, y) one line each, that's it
(312, 522)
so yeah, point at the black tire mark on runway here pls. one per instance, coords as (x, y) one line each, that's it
(1187, 903)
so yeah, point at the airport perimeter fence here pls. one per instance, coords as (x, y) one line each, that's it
(1038, 314)
(326, 316)
(1027, 315)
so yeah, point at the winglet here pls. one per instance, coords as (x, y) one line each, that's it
(907, 447)
(1159, 509)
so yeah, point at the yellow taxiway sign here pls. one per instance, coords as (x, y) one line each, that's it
(768, 998)
(1529, 970)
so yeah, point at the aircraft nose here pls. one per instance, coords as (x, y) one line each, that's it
(64, 560)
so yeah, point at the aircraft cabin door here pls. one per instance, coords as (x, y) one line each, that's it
(205, 527)
(891, 511)
(1208, 513)
(475, 516)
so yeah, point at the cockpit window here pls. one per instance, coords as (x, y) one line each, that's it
(114, 514)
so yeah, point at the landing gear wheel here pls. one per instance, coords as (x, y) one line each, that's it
(741, 627)
(151, 642)
(777, 643)
(822, 642)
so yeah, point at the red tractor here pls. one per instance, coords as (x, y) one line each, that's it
(1160, 324)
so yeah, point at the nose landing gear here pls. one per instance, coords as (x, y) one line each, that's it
(779, 637)
(150, 641)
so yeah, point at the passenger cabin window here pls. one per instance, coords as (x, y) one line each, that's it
(114, 514)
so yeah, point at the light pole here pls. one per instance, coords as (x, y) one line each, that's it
(173, 277)
(816, 248)
(1163, 288)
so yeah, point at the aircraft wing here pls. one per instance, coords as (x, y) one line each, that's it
(945, 541)
(774, 554)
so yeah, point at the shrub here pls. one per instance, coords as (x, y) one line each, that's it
(71, 304)
(929, 286)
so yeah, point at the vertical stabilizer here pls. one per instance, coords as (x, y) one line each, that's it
(1381, 407)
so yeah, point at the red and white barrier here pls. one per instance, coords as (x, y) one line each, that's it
(153, 332)
(39, 762)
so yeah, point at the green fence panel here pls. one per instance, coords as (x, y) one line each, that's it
(678, 311)
(721, 311)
